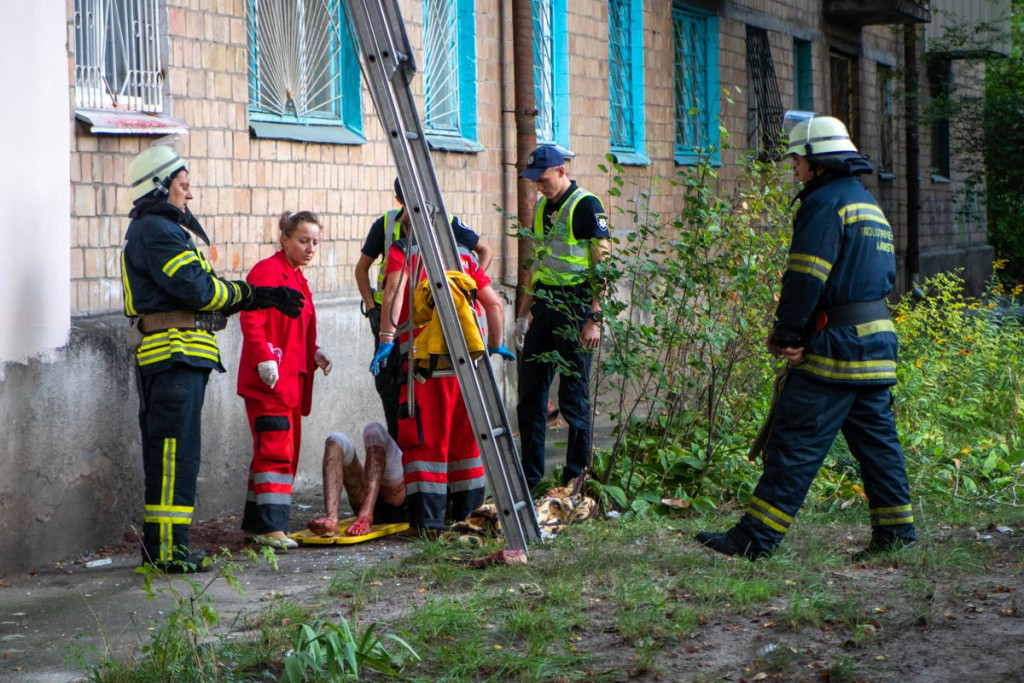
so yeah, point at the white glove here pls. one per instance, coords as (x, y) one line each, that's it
(268, 372)
(323, 362)
(522, 325)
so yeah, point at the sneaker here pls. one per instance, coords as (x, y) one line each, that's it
(881, 546)
(190, 563)
(722, 542)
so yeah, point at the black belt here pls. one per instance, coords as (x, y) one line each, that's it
(847, 315)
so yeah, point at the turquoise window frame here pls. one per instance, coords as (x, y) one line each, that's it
(690, 152)
(626, 83)
(803, 79)
(465, 139)
(557, 107)
(344, 125)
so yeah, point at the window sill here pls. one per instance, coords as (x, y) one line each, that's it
(113, 122)
(453, 143)
(337, 135)
(939, 179)
(886, 176)
(693, 160)
(630, 159)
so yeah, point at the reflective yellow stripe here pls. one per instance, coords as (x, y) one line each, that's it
(809, 265)
(126, 289)
(875, 326)
(163, 345)
(168, 514)
(772, 517)
(169, 463)
(220, 296)
(848, 369)
(899, 514)
(852, 213)
(172, 266)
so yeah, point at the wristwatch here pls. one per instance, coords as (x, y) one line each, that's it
(596, 316)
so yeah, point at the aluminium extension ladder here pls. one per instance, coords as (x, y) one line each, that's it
(387, 63)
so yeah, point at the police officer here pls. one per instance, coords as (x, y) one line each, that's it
(833, 328)
(570, 231)
(384, 232)
(176, 303)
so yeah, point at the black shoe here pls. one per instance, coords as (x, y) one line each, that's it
(722, 542)
(189, 563)
(880, 546)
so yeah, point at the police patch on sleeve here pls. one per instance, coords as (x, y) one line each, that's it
(602, 221)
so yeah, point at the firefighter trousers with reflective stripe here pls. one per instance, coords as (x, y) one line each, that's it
(439, 455)
(170, 419)
(276, 437)
(807, 419)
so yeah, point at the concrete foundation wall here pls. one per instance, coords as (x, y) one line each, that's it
(70, 449)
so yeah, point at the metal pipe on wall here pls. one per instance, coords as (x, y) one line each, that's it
(526, 130)
(911, 84)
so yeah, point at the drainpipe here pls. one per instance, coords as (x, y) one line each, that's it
(505, 275)
(911, 87)
(526, 130)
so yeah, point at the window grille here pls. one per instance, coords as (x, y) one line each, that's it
(764, 120)
(690, 83)
(544, 69)
(441, 58)
(841, 69)
(117, 55)
(299, 62)
(620, 72)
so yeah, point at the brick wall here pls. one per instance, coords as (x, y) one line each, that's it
(241, 183)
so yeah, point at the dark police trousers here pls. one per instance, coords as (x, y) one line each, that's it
(807, 419)
(536, 375)
(170, 410)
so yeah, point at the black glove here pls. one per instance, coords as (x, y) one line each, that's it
(374, 316)
(284, 299)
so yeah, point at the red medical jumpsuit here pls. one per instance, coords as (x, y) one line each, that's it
(439, 451)
(275, 415)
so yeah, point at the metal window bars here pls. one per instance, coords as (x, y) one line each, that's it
(544, 69)
(690, 43)
(295, 57)
(764, 113)
(441, 67)
(620, 77)
(117, 55)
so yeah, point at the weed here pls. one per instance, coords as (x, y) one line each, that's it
(330, 650)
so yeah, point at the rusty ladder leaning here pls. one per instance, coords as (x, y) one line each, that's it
(388, 66)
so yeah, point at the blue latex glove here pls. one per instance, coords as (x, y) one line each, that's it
(380, 359)
(501, 351)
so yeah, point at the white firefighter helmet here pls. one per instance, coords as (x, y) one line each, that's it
(811, 136)
(154, 168)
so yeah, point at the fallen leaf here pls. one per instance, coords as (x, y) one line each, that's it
(881, 610)
(677, 503)
(760, 676)
(769, 624)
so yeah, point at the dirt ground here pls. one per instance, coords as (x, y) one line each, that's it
(971, 630)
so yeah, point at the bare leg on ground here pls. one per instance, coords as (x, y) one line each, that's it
(341, 468)
(383, 475)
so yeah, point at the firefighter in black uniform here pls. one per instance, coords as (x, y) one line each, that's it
(176, 303)
(833, 328)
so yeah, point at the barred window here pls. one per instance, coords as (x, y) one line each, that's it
(764, 112)
(550, 71)
(695, 84)
(886, 122)
(302, 69)
(626, 81)
(117, 55)
(449, 55)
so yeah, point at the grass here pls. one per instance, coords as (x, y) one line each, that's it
(634, 598)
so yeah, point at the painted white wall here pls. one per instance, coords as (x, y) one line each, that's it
(35, 180)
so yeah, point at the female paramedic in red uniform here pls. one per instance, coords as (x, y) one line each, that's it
(275, 376)
(439, 451)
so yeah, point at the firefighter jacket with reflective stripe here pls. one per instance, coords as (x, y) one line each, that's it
(268, 334)
(162, 269)
(562, 258)
(842, 253)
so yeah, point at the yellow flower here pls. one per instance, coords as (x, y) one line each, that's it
(965, 450)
